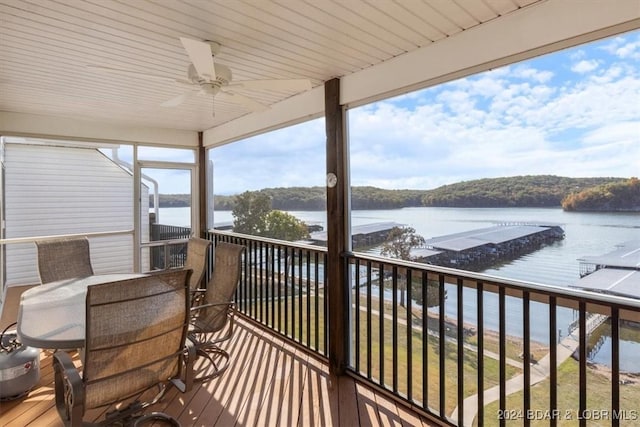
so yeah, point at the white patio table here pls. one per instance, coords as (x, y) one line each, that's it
(52, 316)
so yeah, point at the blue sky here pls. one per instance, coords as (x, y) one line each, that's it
(573, 113)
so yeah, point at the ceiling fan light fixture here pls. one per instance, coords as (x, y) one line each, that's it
(210, 88)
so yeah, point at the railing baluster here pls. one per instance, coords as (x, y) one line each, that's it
(252, 304)
(615, 366)
(442, 339)
(409, 317)
(357, 315)
(326, 305)
(316, 300)
(286, 291)
(279, 302)
(292, 303)
(582, 350)
(308, 298)
(526, 360)
(480, 338)
(300, 287)
(460, 361)
(245, 279)
(394, 327)
(262, 290)
(425, 341)
(502, 345)
(381, 321)
(269, 284)
(369, 319)
(553, 362)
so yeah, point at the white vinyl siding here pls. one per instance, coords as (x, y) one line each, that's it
(53, 190)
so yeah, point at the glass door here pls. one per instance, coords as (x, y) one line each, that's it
(2, 226)
(168, 214)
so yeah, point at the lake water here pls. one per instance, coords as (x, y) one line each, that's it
(586, 233)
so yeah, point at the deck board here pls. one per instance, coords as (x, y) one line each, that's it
(269, 382)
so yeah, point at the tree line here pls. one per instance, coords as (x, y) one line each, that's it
(614, 196)
(516, 191)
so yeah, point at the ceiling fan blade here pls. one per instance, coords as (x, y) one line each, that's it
(297, 85)
(110, 70)
(200, 56)
(174, 102)
(245, 101)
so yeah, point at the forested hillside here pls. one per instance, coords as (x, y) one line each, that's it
(314, 198)
(615, 196)
(517, 191)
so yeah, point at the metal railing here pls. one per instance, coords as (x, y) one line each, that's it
(462, 347)
(34, 239)
(283, 287)
(171, 252)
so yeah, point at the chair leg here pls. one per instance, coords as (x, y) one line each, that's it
(212, 362)
(157, 416)
(69, 390)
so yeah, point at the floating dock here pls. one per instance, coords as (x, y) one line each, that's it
(616, 272)
(478, 249)
(362, 236)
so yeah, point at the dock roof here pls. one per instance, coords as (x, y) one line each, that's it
(374, 227)
(626, 254)
(615, 281)
(483, 236)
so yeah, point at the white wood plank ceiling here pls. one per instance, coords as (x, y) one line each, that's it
(49, 50)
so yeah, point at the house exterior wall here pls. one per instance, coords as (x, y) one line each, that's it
(56, 190)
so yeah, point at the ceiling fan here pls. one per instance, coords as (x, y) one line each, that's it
(209, 78)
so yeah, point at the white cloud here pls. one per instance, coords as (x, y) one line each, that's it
(529, 73)
(584, 66)
(624, 47)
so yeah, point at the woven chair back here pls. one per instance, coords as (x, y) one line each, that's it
(197, 253)
(135, 335)
(63, 259)
(222, 286)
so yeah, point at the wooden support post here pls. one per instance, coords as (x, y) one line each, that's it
(337, 226)
(202, 186)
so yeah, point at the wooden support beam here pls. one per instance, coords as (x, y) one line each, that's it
(337, 227)
(202, 185)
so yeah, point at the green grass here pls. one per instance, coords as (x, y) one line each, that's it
(410, 375)
(418, 370)
(598, 400)
(406, 373)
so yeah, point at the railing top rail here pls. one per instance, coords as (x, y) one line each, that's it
(33, 239)
(550, 290)
(270, 241)
(168, 242)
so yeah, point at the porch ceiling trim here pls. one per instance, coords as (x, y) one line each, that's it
(532, 31)
(21, 124)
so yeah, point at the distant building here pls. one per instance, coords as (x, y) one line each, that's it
(66, 189)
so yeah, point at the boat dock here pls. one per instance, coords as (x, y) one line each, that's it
(478, 249)
(362, 236)
(616, 272)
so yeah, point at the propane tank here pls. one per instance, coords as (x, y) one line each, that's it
(19, 366)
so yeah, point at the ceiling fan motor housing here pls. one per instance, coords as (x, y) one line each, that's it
(223, 75)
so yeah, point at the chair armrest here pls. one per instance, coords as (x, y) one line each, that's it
(69, 389)
(231, 304)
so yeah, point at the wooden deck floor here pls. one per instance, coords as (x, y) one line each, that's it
(269, 383)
